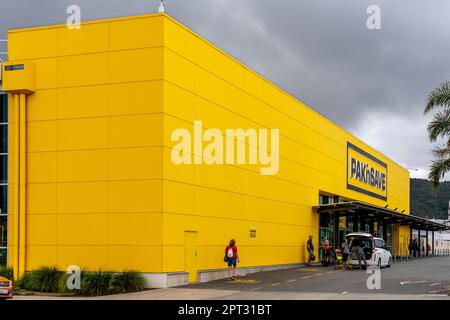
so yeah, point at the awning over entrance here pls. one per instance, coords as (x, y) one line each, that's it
(380, 214)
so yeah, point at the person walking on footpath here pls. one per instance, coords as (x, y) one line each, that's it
(232, 258)
(310, 249)
(326, 251)
(345, 253)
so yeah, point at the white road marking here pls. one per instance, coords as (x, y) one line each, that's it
(293, 280)
(345, 292)
(435, 284)
(412, 282)
(255, 289)
(275, 284)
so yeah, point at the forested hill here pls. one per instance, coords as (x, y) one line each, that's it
(427, 202)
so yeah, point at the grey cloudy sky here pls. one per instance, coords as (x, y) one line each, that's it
(373, 83)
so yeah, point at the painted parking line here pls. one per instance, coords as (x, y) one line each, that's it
(306, 277)
(411, 282)
(243, 281)
(330, 272)
(318, 274)
(435, 284)
(308, 269)
(293, 280)
(275, 284)
(256, 289)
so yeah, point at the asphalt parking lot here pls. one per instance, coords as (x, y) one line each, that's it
(428, 276)
(423, 279)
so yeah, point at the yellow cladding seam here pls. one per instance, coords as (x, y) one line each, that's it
(101, 188)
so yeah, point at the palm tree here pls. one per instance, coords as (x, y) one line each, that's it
(439, 127)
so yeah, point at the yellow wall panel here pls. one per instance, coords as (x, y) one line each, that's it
(133, 131)
(174, 228)
(83, 165)
(136, 65)
(81, 102)
(82, 229)
(41, 198)
(38, 256)
(179, 71)
(41, 136)
(136, 98)
(32, 44)
(146, 229)
(42, 106)
(173, 258)
(178, 102)
(136, 163)
(135, 196)
(121, 31)
(81, 197)
(46, 73)
(87, 257)
(41, 229)
(178, 197)
(87, 133)
(89, 38)
(143, 258)
(41, 167)
(73, 70)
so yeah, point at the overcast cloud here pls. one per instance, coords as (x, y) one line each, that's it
(373, 83)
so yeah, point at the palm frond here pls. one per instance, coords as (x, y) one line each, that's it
(441, 152)
(438, 170)
(440, 125)
(440, 96)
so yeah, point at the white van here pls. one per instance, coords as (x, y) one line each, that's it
(375, 250)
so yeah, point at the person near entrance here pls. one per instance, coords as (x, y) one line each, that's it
(358, 251)
(345, 253)
(232, 258)
(310, 249)
(411, 248)
(414, 248)
(326, 251)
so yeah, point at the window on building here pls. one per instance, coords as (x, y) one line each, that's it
(3, 178)
(3, 168)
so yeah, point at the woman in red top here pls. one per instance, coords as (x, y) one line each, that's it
(231, 254)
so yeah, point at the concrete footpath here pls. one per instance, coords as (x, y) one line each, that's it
(205, 294)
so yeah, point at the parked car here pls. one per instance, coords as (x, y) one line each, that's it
(6, 288)
(375, 250)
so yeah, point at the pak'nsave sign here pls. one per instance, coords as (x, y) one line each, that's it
(365, 173)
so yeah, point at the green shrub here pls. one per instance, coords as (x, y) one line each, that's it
(127, 281)
(93, 283)
(96, 283)
(43, 279)
(6, 272)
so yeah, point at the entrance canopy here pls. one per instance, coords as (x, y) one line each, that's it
(380, 214)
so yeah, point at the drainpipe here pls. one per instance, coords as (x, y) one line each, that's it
(22, 181)
(15, 191)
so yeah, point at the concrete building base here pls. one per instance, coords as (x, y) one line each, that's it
(167, 280)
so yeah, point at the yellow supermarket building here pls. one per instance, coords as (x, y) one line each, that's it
(134, 143)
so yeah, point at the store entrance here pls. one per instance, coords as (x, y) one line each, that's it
(334, 225)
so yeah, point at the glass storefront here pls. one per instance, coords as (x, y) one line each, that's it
(3, 178)
(334, 226)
